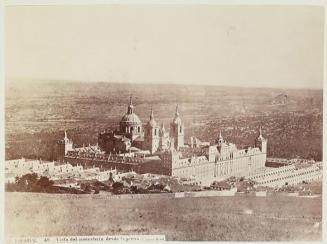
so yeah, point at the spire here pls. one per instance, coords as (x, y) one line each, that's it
(260, 137)
(177, 113)
(220, 135)
(152, 122)
(220, 138)
(151, 114)
(162, 129)
(130, 109)
(66, 138)
(177, 119)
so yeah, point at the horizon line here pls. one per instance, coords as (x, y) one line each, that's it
(38, 80)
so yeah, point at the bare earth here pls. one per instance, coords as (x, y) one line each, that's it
(245, 218)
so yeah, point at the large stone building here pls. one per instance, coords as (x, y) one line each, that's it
(149, 148)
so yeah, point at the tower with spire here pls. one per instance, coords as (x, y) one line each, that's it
(177, 130)
(261, 142)
(220, 139)
(152, 134)
(68, 144)
(62, 147)
(220, 143)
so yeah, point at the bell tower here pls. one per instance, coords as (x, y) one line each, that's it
(261, 142)
(177, 130)
(151, 135)
(68, 144)
(164, 138)
(62, 147)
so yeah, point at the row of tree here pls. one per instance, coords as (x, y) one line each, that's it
(30, 183)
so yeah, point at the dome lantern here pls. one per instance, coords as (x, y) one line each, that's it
(130, 109)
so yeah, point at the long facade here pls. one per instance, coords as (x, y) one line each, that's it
(215, 162)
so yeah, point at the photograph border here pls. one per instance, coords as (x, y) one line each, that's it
(11, 3)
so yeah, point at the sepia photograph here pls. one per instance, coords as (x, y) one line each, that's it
(163, 122)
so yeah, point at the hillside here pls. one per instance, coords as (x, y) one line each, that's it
(38, 112)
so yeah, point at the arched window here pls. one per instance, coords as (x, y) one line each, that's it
(138, 129)
(180, 129)
(155, 132)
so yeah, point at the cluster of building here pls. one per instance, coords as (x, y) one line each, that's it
(55, 171)
(288, 175)
(278, 162)
(150, 148)
(132, 136)
(67, 175)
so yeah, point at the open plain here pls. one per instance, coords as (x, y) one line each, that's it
(238, 218)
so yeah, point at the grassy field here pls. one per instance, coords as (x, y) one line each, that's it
(239, 218)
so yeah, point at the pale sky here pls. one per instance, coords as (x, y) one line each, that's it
(259, 46)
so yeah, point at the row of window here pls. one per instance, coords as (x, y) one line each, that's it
(131, 129)
(198, 171)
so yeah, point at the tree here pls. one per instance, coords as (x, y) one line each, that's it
(44, 182)
(31, 178)
(87, 188)
(134, 189)
(117, 187)
(26, 182)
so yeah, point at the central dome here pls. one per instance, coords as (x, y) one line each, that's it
(130, 122)
(131, 119)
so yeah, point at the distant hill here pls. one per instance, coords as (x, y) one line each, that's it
(281, 99)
